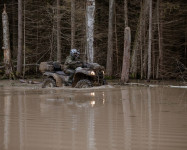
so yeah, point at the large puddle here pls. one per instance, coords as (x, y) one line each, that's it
(123, 118)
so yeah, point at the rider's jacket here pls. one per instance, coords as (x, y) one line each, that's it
(72, 63)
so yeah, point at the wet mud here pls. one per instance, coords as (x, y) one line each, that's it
(105, 118)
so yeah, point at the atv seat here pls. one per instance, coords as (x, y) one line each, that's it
(61, 73)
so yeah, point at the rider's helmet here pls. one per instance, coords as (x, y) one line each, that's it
(74, 53)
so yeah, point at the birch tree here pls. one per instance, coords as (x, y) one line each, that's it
(90, 14)
(6, 46)
(110, 39)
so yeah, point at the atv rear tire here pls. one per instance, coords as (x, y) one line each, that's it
(83, 84)
(49, 83)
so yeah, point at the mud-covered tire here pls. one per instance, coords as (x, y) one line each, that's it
(49, 83)
(83, 84)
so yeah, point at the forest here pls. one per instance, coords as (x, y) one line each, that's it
(146, 37)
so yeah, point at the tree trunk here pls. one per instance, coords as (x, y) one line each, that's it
(160, 42)
(150, 40)
(126, 56)
(109, 65)
(72, 24)
(24, 42)
(145, 61)
(185, 50)
(145, 37)
(116, 42)
(154, 50)
(126, 12)
(157, 68)
(6, 46)
(20, 40)
(153, 60)
(59, 55)
(141, 39)
(137, 42)
(90, 14)
(14, 31)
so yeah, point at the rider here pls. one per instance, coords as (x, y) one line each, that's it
(72, 62)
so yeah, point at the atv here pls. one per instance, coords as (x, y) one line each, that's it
(91, 74)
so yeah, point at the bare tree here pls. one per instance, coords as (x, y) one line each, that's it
(90, 14)
(110, 39)
(20, 40)
(6, 46)
(126, 12)
(150, 40)
(127, 43)
(160, 42)
(14, 30)
(24, 43)
(126, 56)
(116, 40)
(72, 24)
(59, 55)
(138, 38)
(141, 38)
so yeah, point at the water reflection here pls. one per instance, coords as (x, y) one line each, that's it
(127, 120)
(7, 108)
(120, 118)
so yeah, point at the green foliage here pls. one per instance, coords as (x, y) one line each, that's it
(109, 77)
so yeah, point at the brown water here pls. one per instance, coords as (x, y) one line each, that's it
(126, 118)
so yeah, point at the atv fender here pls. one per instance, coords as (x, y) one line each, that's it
(55, 76)
(82, 74)
(84, 71)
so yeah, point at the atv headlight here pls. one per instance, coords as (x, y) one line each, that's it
(92, 73)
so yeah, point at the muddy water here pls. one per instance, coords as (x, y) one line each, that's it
(126, 118)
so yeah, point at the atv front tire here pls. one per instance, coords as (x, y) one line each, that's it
(49, 83)
(83, 84)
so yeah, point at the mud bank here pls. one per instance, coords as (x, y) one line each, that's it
(111, 84)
